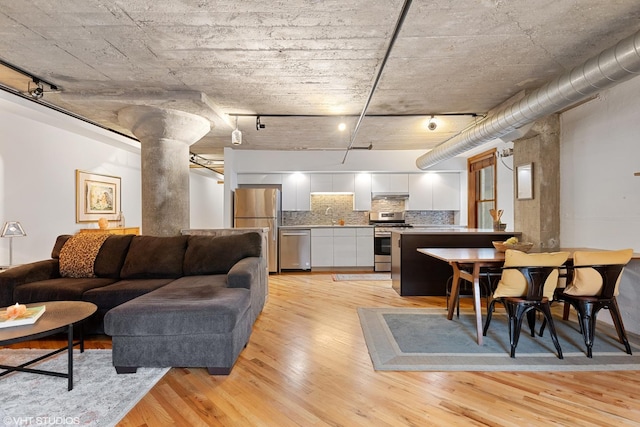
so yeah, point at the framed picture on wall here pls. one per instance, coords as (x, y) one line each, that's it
(97, 196)
(524, 181)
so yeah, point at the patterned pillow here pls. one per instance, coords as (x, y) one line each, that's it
(79, 253)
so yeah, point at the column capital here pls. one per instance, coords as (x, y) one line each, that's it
(153, 124)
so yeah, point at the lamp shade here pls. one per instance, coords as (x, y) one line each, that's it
(12, 229)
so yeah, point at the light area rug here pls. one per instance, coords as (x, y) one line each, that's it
(361, 277)
(100, 397)
(414, 339)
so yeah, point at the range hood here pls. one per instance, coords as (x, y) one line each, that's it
(389, 196)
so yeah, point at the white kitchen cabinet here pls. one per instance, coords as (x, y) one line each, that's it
(344, 247)
(321, 247)
(321, 182)
(259, 178)
(362, 192)
(364, 247)
(446, 192)
(342, 183)
(389, 183)
(296, 192)
(434, 191)
(331, 183)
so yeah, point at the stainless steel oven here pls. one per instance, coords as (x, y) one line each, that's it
(383, 223)
(382, 250)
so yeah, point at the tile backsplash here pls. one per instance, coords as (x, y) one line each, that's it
(326, 208)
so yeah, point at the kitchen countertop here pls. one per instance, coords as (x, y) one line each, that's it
(298, 227)
(453, 230)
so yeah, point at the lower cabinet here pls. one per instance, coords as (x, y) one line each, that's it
(342, 247)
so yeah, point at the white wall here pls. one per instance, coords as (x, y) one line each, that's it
(40, 150)
(599, 194)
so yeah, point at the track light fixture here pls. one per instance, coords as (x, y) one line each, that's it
(258, 124)
(433, 124)
(36, 92)
(236, 135)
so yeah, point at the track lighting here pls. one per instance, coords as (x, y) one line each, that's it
(36, 92)
(236, 135)
(258, 124)
(433, 124)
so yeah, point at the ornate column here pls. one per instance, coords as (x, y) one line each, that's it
(165, 137)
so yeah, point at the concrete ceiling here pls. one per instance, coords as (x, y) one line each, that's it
(303, 65)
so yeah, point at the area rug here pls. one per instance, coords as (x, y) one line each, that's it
(100, 397)
(361, 277)
(414, 339)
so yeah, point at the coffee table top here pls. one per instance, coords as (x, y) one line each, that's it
(57, 316)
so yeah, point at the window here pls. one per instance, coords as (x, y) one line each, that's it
(482, 189)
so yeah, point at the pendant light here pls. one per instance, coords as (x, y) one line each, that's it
(236, 135)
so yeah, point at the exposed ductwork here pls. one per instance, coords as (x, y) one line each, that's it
(612, 66)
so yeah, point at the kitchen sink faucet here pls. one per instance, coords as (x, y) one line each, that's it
(330, 209)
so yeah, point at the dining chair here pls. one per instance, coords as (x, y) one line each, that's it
(527, 285)
(594, 285)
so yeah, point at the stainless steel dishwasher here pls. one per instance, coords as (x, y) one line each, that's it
(295, 249)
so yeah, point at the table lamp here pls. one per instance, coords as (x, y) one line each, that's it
(12, 229)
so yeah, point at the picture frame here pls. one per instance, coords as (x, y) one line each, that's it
(524, 181)
(97, 196)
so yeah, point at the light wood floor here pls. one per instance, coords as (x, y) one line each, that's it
(307, 364)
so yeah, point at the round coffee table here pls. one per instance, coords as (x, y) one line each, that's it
(59, 316)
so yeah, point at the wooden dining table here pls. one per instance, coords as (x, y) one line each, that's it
(467, 264)
(474, 259)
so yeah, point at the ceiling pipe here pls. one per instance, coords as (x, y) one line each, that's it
(396, 31)
(610, 67)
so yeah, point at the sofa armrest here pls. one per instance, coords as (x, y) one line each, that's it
(244, 274)
(26, 273)
(250, 273)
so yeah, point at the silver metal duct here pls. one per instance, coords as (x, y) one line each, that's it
(612, 66)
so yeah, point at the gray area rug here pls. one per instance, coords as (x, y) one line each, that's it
(414, 339)
(100, 397)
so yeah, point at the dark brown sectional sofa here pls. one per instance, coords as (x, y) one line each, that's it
(185, 301)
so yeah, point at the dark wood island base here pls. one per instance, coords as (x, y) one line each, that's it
(414, 274)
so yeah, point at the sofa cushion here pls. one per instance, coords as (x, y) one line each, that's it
(62, 289)
(107, 297)
(216, 255)
(189, 305)
(78, 254)
(111, 257)
(151, 257)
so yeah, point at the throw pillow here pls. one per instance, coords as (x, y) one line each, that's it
(78, 254)
(587, 281)
(513, 283)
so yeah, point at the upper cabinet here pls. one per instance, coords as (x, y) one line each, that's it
(434, 191)
(296, 192)
(362, 192)
(389, 183)
(331, 183)
(259, 178)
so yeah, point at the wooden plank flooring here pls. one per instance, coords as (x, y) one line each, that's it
(307, 364)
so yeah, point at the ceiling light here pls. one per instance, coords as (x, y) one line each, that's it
(342, 126)
(433, 124)
(236, 135)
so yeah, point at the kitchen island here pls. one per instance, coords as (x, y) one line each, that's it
(414, 274)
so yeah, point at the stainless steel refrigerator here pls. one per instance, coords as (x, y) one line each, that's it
(259, 208)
